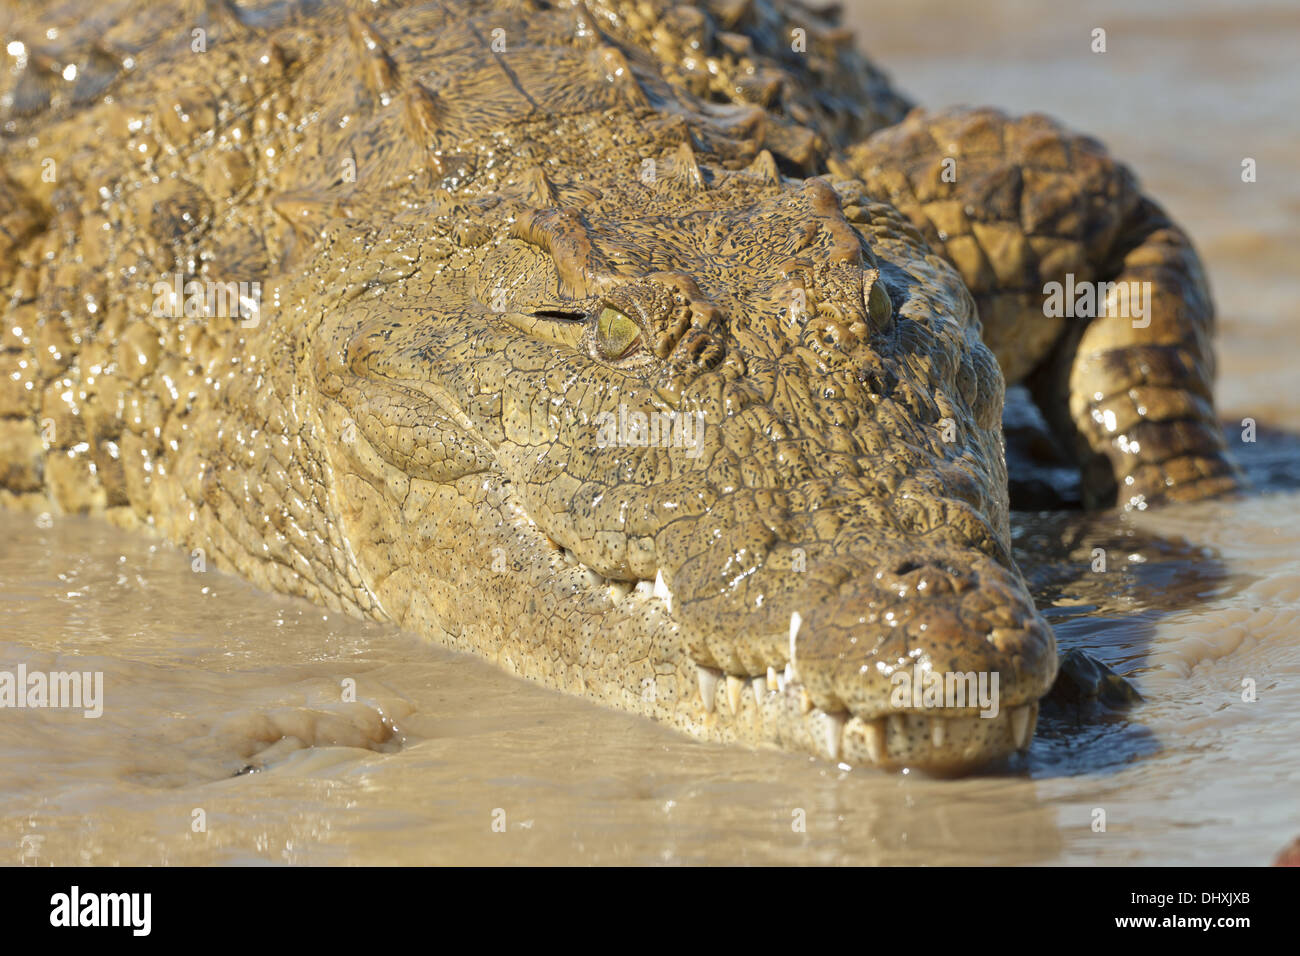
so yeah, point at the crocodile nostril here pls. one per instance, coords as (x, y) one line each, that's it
(928, 577)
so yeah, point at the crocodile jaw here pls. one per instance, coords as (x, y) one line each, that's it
(776, 708)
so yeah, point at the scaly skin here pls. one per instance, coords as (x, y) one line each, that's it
(469, 255)
(1133, 399)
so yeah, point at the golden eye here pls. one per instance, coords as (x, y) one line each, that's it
(878, 304)
(616, 334)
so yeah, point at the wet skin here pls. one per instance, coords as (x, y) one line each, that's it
(480, 234)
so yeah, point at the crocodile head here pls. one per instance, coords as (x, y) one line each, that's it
(731, 460)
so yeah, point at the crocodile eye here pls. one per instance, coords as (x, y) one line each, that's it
(878, 304)
(616, 334)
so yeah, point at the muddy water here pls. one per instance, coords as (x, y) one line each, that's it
(225, 736)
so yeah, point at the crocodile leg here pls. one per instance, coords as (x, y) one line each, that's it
(1087, 291)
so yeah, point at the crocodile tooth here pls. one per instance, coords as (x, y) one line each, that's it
(796, 621)
(708, 678)
(569, 559)
(612, 66)
(423, 112)
(734, 687)
(618, 590)
(591, 578)
(661, 590)
(687, 170)
(764, 166)
(773, 682)
(759, 685)
(1020, 729)
(937, 728)
(644, 589)
(537, 188)
(831, 730)
(805, 700)
(875, 737)
(787, 677)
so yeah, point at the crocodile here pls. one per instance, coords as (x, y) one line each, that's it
(656, 353)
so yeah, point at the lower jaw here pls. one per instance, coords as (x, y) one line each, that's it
(774, 712)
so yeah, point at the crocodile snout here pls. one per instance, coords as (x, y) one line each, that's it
(932, 662)
(939, 667)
